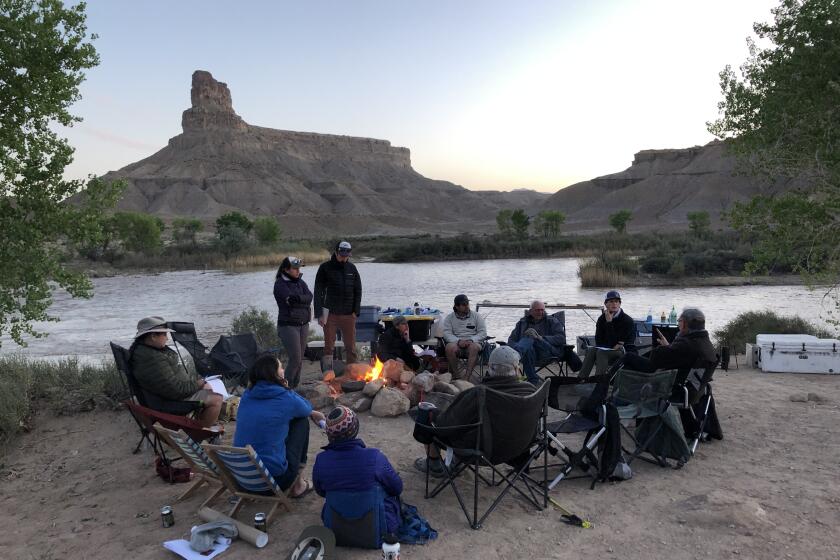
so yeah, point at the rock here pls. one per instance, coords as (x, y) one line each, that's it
(373, 387)
(356, 371)
(817, 398)
(353, 386)
(329, 375)
(406, 376)
(425, 381)
(392, 369)
(447, 388)
(356, 402)
(444, 377)
(318, 394)
(389, 402)
(413, 393)
(462, 384)
(799, 397)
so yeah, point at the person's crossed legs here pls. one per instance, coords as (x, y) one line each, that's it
(454, 350)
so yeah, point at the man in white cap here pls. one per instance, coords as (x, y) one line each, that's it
(338, 297)
(503, 371)
(157, 369)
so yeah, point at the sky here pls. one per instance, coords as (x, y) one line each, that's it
(486, 94)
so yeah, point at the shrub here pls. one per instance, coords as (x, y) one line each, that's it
(656, 264)
(743, 328)
(266, 230)
(258, 322)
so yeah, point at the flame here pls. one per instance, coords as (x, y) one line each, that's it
(375, 372)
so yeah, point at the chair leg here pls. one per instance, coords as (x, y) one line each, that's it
(213, 496)
(236, 506)
(192, 489)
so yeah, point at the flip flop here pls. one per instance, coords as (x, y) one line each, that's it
(308, 487)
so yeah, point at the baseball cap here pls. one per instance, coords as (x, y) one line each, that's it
(504, 355)
(461, 298)
(343, 248)
(399, 320)
(612, 294)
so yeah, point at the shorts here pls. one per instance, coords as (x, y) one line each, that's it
(202, 395)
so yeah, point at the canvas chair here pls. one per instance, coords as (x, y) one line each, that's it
(645, 398)
(146, 419)
(583, 403)
(509, 428)
(245, 476)
(357, 517)
(205, 470)
(692, 395)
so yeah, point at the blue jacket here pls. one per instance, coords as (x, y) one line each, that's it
(349, 465)
(550, 328)
(262, 422)
(292, 312)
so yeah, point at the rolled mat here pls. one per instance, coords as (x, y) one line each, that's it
(246, 532)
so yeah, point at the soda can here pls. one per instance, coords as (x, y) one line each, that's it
(259, 522)
(167, 516)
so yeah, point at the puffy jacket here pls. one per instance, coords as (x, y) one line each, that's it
(392, 345)
(297, 312)
(620, 329)
(338, 287)
(262, 421)
(470, 327)
(159, 371)
(550, 327)
(349, 465)
(693, 349)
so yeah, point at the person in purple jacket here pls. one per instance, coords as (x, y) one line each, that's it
(346, 464)
(294, 311)
(272, 419)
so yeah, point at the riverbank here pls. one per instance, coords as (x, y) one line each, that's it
(72, 489)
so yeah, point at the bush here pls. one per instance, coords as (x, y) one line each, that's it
(266, 230)
(258, 322)
(743, 328)
(656, 264)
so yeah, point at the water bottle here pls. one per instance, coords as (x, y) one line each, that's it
(672, 318)
(649, 318)
(662, 319)
(390, 548)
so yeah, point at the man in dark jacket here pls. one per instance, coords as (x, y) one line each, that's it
(502, 375)
(691, 348)
(346, 464)
(338, 297)
(395, 344)
(615, 335)
(538, 337)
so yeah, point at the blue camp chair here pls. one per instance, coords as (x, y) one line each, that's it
(357, 517)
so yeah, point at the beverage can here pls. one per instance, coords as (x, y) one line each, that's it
(259, 522)
(390, 549)
(167, 516)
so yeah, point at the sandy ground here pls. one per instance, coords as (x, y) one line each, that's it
(72, 489)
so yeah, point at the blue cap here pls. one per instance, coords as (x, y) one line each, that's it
(612, 294)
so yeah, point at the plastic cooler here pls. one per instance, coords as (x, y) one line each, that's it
(367, 324)
(797, 353)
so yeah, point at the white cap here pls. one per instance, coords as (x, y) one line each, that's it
(504, 355)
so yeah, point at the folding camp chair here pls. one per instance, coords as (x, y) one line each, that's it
(185, 335)
(645, 398)
(146, 419)
(357, 517)
(232, 356)
(245, 476)
(193, 455)
(584, 404)
(692, 395)
(509, 428)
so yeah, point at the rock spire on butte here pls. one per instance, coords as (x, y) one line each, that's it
(212, 107)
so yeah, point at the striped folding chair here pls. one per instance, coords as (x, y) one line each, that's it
(245, 476)
(193, 455)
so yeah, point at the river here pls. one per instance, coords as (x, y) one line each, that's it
(211, 299)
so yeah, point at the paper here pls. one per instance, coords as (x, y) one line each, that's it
(182, 548)
(428, 352)
(218, 386)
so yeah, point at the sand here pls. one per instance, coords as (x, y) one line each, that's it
(72, 489)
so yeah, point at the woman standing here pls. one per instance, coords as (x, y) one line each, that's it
(294, 311)
(272, 419)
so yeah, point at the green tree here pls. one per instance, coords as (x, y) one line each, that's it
(503, 222)
(781, 117)
(138, 232)
(266, 230)
(620, 219)
(184, 230)
(699, 222)
(520, 222)
(44, 50)
(236, 219)
(548, 223)
(231, 239)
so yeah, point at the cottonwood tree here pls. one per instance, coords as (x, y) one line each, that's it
(44, 50)
(520, 222)
(620, 219)
(184, 230)
(699, 222)
(780, 114)
(503, 222)
(549, 222)
(266, 230)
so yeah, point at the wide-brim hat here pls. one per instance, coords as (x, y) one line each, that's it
(151, 325)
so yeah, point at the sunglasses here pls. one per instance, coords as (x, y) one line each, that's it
(344, 252)
(295, 262)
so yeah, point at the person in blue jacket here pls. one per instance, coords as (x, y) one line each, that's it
(272, 419)
(294, 311)
(347, 464)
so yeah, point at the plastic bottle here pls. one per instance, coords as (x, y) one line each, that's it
(390, 548)
(649, 319)
(663, 318)
(672, 318)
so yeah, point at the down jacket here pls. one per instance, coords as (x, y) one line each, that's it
(299, 310)
(550, 328)
(338, 287)
(159, 371)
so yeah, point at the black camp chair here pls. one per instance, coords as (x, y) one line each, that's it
(692, 395)
(232, 356)
(185, 335)
(509, 428)
(584, 404)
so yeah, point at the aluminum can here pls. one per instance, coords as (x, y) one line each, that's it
(167, 516)
(259, 522)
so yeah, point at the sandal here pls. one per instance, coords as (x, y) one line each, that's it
(308, 487)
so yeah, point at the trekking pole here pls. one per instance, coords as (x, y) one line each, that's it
(570, 517)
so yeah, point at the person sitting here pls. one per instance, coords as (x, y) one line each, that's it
(464, 334)
(691, 347)
(272, 419)
(502, 375)
(615, 335)
(347, 464)
(158, 370)
(538, 337)
(395, 344)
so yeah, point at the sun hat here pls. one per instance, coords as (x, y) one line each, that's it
(504, 355)
(342, 424)
(399, 320)
(151, 324)
(612, 294)
(343, 248)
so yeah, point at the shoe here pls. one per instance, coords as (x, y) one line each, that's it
(435, 467)
(308, 487)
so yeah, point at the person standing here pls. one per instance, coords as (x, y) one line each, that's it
(294, 311)
(338, 298)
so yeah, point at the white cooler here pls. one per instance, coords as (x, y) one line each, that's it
(798, 353)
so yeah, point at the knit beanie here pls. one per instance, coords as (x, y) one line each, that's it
(342, 424)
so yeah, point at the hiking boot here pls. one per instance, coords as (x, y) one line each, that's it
(435, 466)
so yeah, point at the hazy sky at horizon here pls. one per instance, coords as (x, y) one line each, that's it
(489, 95)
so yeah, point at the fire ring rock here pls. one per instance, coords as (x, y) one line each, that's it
(424, 380)
(373, 387)
(352, 386)
(357, 402)
(389, 402)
